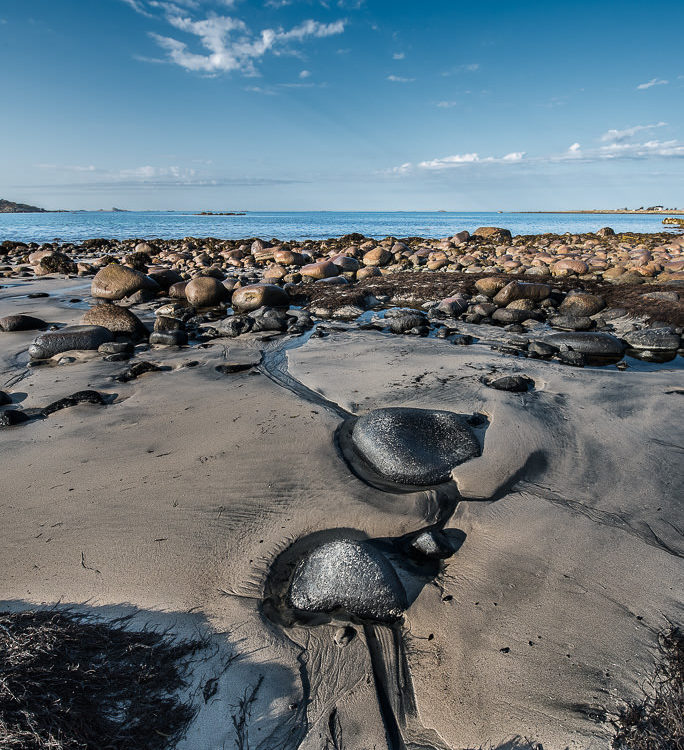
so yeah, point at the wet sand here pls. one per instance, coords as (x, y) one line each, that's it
(175, 499)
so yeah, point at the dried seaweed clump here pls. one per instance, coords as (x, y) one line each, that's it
(67, 683)
(657, 723)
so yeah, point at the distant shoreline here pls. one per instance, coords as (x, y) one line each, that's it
(611, 212)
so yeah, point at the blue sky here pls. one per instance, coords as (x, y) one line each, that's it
(341, 104)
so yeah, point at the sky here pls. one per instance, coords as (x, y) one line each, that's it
(342, 104)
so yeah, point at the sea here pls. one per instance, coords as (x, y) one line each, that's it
(288, 226)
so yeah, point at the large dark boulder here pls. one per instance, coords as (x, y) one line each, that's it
(414, 446)
(349, 577)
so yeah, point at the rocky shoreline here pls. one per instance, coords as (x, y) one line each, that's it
(585, 299)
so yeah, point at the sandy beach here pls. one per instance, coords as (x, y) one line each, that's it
(195, 495)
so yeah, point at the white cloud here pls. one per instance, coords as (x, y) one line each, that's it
(623, 135)
(449, 161)
(227, 44)
(398, 56)
(446, 104)
(400, 79)
(616, 150)
(231, 46)
(305, 74)
(642, 150)
(650, 84)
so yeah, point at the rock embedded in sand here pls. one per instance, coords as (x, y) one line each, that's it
(80, 397)
(511, 383)
(117, 319)
(4, 399)
(115, 282)
(72, 337)
(136, 370)
(205, 291)
(414, 446)
(351, 577)
(12, 323)
(254, 296)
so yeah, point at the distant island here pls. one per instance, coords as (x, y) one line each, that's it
(8, 207)
(220, 213)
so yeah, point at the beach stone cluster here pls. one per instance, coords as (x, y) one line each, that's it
(200, 289)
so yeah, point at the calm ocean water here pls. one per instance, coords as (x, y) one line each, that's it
(75, 227)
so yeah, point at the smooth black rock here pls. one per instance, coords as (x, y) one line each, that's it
(4, 399)
(414, 446)
(588, 343)
(65, 339)
(80, 397)
(350, 577)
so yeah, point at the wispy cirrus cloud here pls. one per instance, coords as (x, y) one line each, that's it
(400, 79)
(650, 84)
(620, 136)
(222, 44)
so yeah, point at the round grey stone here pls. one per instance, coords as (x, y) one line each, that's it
(351, 577)
(414, 446)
